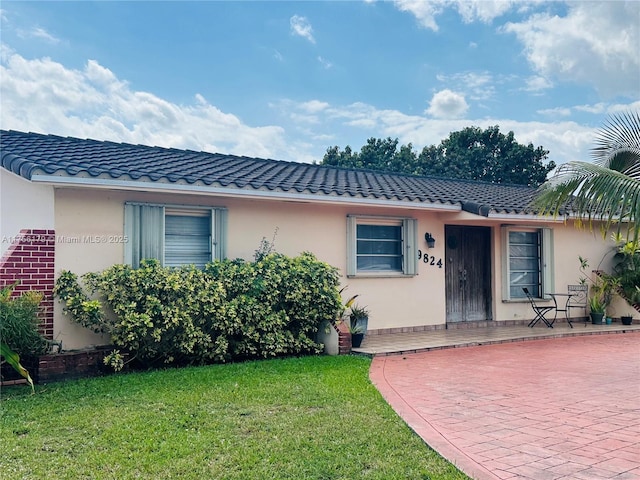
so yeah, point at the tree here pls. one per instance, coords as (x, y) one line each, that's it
(606, 189)
(377, 154)
(487, 155)
(472, 153)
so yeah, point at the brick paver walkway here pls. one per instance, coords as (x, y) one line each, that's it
(566, 408)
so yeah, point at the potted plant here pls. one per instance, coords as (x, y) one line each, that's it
(627, 271)
(359, 321)
(596, 309)
(601, 293)
(626, 319)
(357, 335)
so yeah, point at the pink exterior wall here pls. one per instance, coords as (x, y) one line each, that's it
(30, 262)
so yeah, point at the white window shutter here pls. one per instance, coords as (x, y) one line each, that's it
(410, 242)
(351, 246)
(219, 218)
(144, 228)
(506, 274)
(548, 276)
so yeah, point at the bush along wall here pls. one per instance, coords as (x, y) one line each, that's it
(20, 339)
(231, 310)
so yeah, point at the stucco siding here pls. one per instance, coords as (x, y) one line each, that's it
(23, 206)
(90, 226)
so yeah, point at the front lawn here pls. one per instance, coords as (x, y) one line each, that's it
(297, 418)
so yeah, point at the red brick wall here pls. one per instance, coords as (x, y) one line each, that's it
(30, 261)
(70, 365)
(344, 338)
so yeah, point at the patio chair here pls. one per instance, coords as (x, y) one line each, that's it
(540, 311)
(578, 299)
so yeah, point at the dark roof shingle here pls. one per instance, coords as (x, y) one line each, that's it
(29, 154)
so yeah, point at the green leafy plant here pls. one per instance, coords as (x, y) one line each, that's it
(77, 303)
(627, 270)
(603, 287)
(266, 247)
(358, 317)
(345, 306)
(231, 310)
(19, 328)
(356, 329)
(13, 359)
(19, 321)
(596, 305)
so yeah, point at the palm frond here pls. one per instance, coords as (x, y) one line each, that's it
(606, 190)
(618, 142)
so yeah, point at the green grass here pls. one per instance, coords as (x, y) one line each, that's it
(297, 418)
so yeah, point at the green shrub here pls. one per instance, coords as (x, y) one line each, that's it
(231, 310)
(19, 322)
(627, 270)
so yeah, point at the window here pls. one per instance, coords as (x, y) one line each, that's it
(528, 262)
(381, 246)
(174, 235)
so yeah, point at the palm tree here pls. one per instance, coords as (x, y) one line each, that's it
(607, 189)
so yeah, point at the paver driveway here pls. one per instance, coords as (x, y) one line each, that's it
(566, 408)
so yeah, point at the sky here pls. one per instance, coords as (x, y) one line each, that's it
(287, 80)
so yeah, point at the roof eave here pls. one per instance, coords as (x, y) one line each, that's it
(529, 217)
(90, 182)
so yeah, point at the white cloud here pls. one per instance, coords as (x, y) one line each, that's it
(596, 43)
(470, 10)
(478, 85)
(556, 112)
(601, 109)
(483, 10)
(326, 64)
(447, 104)
(300, 26)
(314, 106)
(43, 96)
(41, 33)
(425, 12)
(537, 83)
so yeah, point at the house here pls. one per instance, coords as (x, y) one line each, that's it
(422, 253)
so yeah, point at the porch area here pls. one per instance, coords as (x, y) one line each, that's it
(398, 343)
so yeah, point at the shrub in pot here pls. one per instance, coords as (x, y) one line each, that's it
(596, 309)
(359, 317)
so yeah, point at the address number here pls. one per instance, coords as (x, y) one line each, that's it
(429, 259)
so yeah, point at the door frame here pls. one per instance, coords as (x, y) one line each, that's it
(481, 258)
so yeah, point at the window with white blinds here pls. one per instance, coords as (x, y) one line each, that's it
(174, 235)
(528, 262)
(381, 246)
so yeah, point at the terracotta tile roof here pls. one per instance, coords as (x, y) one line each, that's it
(29, 154)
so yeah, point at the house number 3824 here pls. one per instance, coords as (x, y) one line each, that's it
(429, 259)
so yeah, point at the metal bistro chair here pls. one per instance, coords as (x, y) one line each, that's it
(539, 311)
(578, 299)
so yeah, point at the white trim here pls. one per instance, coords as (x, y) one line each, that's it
(230, 192)
(525, 217)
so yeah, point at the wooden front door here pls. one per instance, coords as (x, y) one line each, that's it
(468, 273)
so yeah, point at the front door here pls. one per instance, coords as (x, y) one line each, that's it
(468, 273)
